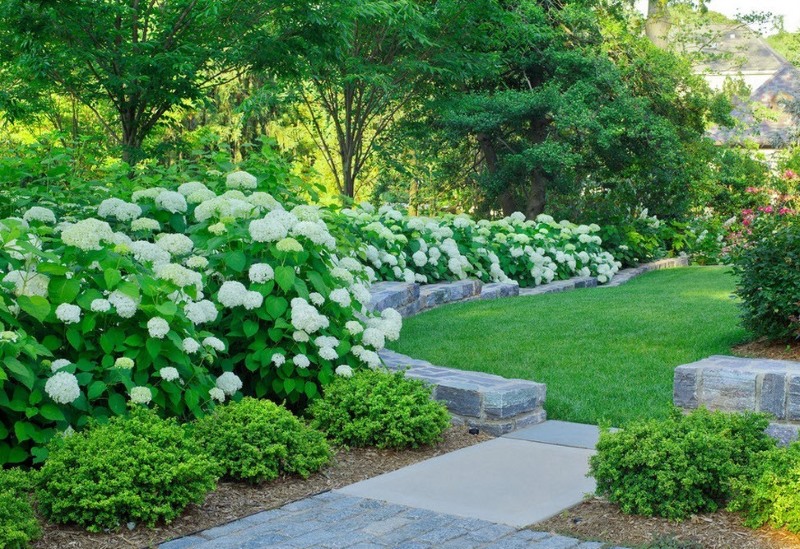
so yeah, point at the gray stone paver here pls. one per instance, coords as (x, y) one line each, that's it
(377, 524)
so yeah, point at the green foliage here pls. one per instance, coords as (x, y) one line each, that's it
(768, 266)
(376, 408)
(141, 469)
(680, 466)
(257, 440)
(18, 523)
(772, 495)
(671, 542)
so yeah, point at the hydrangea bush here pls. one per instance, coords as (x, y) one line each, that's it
(394, 246)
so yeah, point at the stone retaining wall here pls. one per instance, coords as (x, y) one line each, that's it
(734, 384)
(492, 403)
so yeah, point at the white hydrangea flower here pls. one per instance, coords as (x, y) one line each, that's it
(200, 196)
(326, 341)
(370, 358)
(354, 327)
(273, 227)
(343, 275)
(146, 194)
(328, 353)
(191, 187)
(28, 283)
(229, 383)
(179, 275)
(241, 180)
(278, 359)
(42, 215)
(63, 388)
(100, 305)
(171, 201)
(201, 312)
(263, 200)
(59, 363)
(169, 373)
(87, 234)
(419, 258)
(301, 361)
(124, 363)
(261, 273)
(215, 343)
(125, 306)
(289, 244)
(190, 346)
(374, 338)
(300, 336)
(361, 293)
(305, 316)
(316, 298)
(157, 327)
(119, 209)
(145, 224)
(215, 393)
(68, 313)
(141, 395)
(217, 228)
(232, 294)
(196, 262)
(344, 371)
(252, 300)
(175, 243)
(144, 251)
(315, 232)
(340, 296)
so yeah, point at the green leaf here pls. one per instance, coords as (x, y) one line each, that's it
(76, 340)
(52, 269)
(64, 290)
(153, 347)
(275, 306)
(236, 261)
(96, 389)
(311, 389)
(285, 276)
(167, 310)
(21, 373)
(288, 385)
(135, 340)
(250, 328)
(36, 306)
(52, 412)
(117, 404)
(112, 277)
(316, 280)
(3, 432)
(24, 430)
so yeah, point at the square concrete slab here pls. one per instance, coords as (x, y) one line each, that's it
(506, 481)
(563, 433)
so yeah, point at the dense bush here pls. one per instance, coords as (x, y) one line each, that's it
(18, 523)
(679, 466)
(141, 469)
(772, 495)
(768, 267)
(376, 408)
(257, 440)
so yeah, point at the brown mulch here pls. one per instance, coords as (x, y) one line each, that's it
(598, 520)
(763, 348)
(235, 500)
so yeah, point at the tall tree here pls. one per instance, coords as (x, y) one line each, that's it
(140, 57)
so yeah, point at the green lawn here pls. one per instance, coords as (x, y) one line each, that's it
(605, 354)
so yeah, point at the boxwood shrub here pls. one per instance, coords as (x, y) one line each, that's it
(142, 469)
(18, 523)
(679, 466)
(257, 440)
(377, 408)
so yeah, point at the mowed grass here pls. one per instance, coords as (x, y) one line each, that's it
(605, 354)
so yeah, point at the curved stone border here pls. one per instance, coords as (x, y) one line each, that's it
(495, 404)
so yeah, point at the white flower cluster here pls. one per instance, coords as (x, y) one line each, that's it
(157, 327)
(171, 201)
(305, 317)
(169, 373)
(273, 227)
(41, 215)
(234, 294)
(28, 283)
(118, 209)
(241, 180)
(68, 313)
(125, 306)
(175, 243)
(87, 234)
(229, 383)
(260, 273)
(141, 395)
(63, 388)
(201, 312)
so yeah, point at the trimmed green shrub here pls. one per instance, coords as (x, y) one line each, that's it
(257, 440)
(772, 495)
(18, 523)
(141, 469)
(376, 408)
(768, 266)
(679, 466)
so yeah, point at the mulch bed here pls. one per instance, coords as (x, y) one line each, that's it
(598, 520)
(234, 500)
(762, 348)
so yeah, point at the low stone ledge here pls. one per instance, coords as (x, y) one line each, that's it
(734, 384)
(496, 290)
(626, 275)
(393, 295)
(492, 403)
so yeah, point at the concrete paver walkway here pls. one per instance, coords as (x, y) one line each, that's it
(479, 496)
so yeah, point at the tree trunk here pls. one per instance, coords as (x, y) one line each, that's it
(658, 22)
(508, 201)
(537, 197)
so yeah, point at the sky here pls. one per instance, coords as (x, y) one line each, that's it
(790, 9)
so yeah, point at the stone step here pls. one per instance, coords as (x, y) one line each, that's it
(394, 295)
(432, 295)
(489, 402)
(495, 290)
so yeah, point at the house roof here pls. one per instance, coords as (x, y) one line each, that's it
(733, 49)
